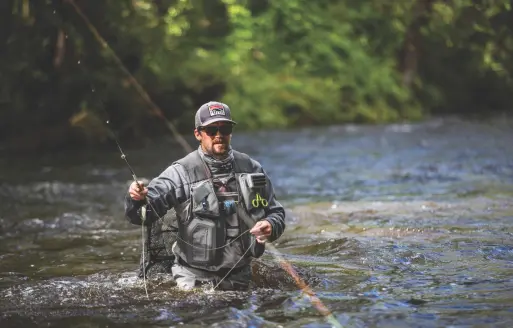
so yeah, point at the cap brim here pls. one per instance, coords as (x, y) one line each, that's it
(219, 119)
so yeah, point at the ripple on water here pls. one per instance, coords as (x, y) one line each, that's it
(412, 228)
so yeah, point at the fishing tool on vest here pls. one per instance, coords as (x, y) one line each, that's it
(253, 181)
(228, 206)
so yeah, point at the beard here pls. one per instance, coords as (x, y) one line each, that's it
(220, 148)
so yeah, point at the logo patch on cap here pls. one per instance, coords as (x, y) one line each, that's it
(216, 110)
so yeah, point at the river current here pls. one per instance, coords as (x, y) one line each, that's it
(403, 225)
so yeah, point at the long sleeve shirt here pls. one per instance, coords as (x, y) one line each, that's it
(172, 187)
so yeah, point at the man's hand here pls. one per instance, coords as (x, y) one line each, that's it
(261, 230)
(137, 193)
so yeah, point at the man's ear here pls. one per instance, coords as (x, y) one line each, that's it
(197, 134)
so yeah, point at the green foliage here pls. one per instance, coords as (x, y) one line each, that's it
(302, 63)
(276, 63)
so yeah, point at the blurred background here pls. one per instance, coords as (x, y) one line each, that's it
(278, 64)
(385, 126)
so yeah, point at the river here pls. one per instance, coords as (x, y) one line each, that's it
(403, 225)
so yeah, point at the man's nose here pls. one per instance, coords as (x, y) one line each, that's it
(218, 133)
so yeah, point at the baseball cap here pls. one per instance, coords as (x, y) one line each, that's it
(211, 112)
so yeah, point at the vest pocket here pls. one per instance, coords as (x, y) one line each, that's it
(204, 200)
(204, 237)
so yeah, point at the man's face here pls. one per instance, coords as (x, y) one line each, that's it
(215, 138)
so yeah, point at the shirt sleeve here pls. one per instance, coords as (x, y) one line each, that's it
(275, 213)
(164, 192)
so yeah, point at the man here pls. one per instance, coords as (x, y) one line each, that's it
(219, 195)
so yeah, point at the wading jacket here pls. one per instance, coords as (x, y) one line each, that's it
(212, 224)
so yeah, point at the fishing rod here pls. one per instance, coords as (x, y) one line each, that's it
(143, 215)
(284, 263)
(148, 203)
(154, 109)
(158, 112)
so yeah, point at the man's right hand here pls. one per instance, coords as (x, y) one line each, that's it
(138, 191)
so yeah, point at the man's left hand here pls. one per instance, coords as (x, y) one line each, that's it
(261, 230)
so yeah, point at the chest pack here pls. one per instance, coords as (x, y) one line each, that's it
(213, 220)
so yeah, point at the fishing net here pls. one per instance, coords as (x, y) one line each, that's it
(160, 236)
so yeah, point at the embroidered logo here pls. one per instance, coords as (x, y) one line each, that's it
(216, 110)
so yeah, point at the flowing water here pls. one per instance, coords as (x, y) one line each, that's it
(391, 226)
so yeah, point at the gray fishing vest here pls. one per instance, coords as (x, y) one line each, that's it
(204, 227)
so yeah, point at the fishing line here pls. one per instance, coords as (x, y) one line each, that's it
(284, 263)
(235, 265)
(123, 156)
(154, 109)
(140, 187)
(143, 210)
(158, 112)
